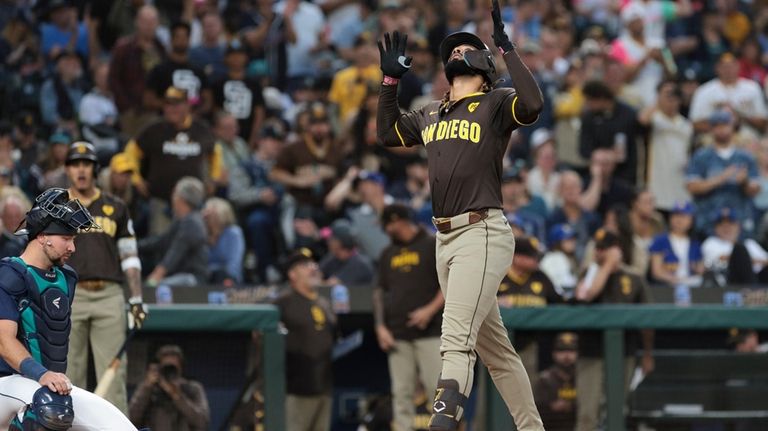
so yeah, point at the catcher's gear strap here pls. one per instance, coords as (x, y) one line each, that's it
(448, 406)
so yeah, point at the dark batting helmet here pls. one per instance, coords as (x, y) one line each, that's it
(481, 60)
(82, 150)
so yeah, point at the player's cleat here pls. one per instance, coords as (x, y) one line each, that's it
(448, 406)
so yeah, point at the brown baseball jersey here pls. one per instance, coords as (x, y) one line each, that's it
(532, 290)
(309, 343)
(96, 255)
(301, 157)
(408, 277)
(466, 140)
(556, 384)
(168, 154)
(622, 287)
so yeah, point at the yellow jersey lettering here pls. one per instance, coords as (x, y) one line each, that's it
(441, 129)
(454, 128)
(404, 259)
(474, 132)
(106, 225)
(464, 129)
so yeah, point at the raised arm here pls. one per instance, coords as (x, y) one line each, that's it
(394, 64)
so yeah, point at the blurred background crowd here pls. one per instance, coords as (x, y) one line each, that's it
(650, 154)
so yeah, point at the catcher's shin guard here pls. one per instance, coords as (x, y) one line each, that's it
(448, 406)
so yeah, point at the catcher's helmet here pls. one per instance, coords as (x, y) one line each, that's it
(481, 60)
(53, 213)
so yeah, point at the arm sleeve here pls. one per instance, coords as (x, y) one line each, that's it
(134, 151)
(393, 128)
(216, 162)
(528, 101)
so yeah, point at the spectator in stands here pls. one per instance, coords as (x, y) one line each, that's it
(414, 190)
(308, 168)
(61, 94)
(560, 263)
(181, 251)
(669, 145)
(343, 264)
(676, 258)
(722, 175)
(308, 36)
(366, 217)
(52, 164)
(235, 152)
(29, 149)
(177, 72)
(13, 208)
(267, 32)
(350, 85)
(567, 108)
(745, 341)
(742, 95)
(609, 124)
(311, 325)
(176, 146)
(573, 211)
(239, 95)
(646, 223)
(63, 32)
(529, 208)
(165, 399)
(132, 60)
(544, 180)
(555, 389)
(209, 55)
(735, 259)
(256, 198)
(226, 242)
(98, 114)
(116, 179)
(407, 305)
(605, 188)
(525, 285)
(606, 282)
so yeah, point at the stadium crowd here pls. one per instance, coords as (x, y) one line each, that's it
(243, 130)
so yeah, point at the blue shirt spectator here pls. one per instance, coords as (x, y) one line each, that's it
(226, 241)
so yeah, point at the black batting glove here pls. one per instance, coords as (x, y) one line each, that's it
(394, 63)
(500, 38)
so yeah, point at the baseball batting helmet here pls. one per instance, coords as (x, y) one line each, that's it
(53, 213)
(53, 411)
(481, 60)
(82, 150)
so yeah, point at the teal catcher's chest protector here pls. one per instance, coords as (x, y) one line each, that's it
(44, 304)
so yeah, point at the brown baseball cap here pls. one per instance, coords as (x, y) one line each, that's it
(566, 341)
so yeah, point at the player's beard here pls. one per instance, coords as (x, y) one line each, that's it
(456, 68)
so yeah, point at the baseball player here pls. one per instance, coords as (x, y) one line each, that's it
(36, 293)
(465, 135)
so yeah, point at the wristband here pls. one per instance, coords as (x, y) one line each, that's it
(388, 80)
(32, 369)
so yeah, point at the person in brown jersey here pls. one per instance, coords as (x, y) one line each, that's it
(107, 257)
(555, 390)
(171, 148)
(466, 135)
(407, 302)
(525, 285)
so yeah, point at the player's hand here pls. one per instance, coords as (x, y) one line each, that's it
(420, 317)
(170, 388)
(138, 312)
(647, 364)
(57, 382)
(394, 63)
(500, 38)
(386, 340)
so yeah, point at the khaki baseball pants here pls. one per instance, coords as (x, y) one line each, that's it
(409, 362)
(471, 262)
(590, 390)
(308, 413)
(98, 323)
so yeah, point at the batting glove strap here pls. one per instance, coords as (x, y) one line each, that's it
(138, 312)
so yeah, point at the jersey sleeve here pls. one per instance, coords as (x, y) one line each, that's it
(8, 308)
(504, 101)
(407, 129)
(124, 223)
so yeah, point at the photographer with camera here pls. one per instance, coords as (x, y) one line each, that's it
(165, 400)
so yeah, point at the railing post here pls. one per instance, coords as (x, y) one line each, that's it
(613, 341)
(274, 380)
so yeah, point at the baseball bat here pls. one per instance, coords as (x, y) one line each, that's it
(109, 374)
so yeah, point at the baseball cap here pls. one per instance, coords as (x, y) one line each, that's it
(318, 113)
(560, 232)
(527, 246)
(60, 137)
(540, 136)
(235, 46)
(26, 122)
(566, 341)
(342, 231)
(122, 162)
(298, 256)
(685, 207)
(395, 212)
(376, 177)
(726, 213)
(605, 239)
(175, 94)
(721, 116)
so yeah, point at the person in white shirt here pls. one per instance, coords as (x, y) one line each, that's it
(559, 263)
(669, 144)
(743, 262)
(742, 95)
(544, 180)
